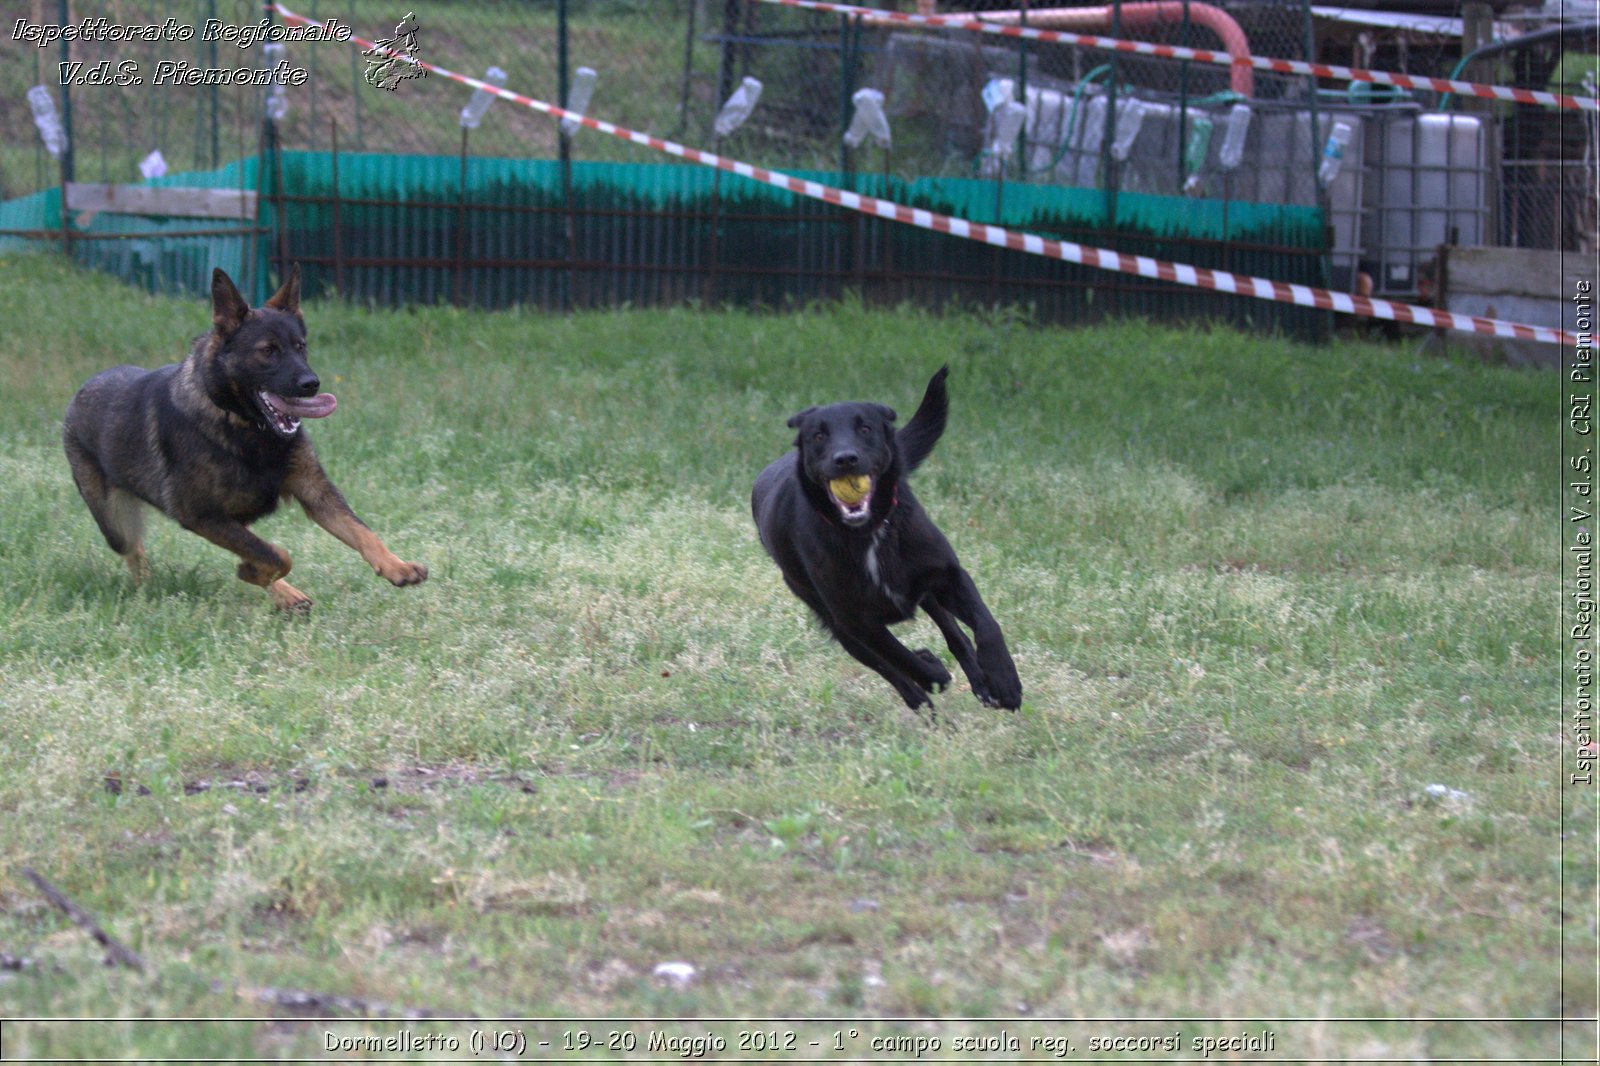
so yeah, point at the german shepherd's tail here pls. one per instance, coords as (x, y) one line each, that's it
(917, 439)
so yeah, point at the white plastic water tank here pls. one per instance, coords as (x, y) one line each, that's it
(1427, 186)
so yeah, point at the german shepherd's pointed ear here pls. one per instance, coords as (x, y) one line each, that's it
(287, 298)
(228, 309)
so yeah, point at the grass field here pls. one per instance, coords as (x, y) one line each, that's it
(1261, 597)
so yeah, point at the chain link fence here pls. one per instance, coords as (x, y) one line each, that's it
(663, 67)
(1128, 147)
(1549, 173)
(112, 124)
(656, 72)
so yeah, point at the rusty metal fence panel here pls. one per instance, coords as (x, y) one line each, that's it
(497, 232)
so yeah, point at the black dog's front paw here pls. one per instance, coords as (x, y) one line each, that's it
(1006, 694)
(915, 697)
(936, 678)
(997, 684)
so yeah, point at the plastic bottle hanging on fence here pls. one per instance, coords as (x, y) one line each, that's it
(1194, 155)
(1130, 120)
(868, 120)
(1333, 153)
(1233, 137)
(472, 114)
(997, 91)
(738, 107)
(277, 105)
(1007, 124)
(578, 97)
(45, 117)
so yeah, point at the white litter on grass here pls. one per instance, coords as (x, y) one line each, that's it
(1446, 794)
(679, 973)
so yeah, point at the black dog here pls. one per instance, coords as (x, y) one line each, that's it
(857, 547)
(215, 441)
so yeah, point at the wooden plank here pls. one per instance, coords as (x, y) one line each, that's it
(1532, 272)
(162, 201)
(1528, 285)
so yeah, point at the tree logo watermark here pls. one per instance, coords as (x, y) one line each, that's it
(393, 60)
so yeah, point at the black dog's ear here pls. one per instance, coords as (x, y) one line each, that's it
(794, 419)
(287, 298)
(228, 309)
(886, 413)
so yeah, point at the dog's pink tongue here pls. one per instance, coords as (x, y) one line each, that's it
(318, 406)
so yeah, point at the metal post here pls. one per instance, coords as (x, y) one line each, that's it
(844, 90)
(461, 223)
(564, 145)
(1022, 91)
(730, 30)
(846, 87)
(211, 62)
(68, 169)
(283, 214)
(1020, 150)
(725, 79)
(338, 236)
(1108, 175)
(272, 150)
(355, 81)
(253, 264)
(709, 293)
(688, 62)
(1325, 259)
(1477, 30)
(72, 139)
(1183, 105)
(562, 72)
(887, 231)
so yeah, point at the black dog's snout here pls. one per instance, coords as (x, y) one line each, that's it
(308, 384)
(845, 462)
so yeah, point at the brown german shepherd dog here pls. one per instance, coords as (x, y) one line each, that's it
(215, 441)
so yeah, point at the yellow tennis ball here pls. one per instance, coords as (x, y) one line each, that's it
(851, 490)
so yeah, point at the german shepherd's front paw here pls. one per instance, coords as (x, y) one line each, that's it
(264, 572)
(285, 597)
(138, 564)
(402, 573)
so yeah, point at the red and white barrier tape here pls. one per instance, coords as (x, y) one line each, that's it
(1067, 251)
(1199, 55)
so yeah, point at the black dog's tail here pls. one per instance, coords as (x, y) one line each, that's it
(917, 439)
